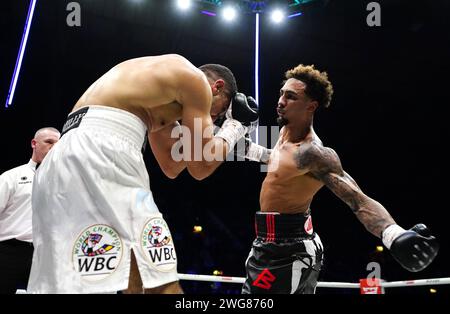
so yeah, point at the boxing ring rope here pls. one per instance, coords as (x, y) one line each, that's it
(418, 282)
(321, 284)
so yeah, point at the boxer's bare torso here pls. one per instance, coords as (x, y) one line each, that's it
(147, 87)
(286, 188)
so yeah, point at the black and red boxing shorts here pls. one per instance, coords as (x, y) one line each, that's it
(286, 256)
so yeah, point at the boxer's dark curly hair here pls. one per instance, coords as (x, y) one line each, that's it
(318, 87)
(218, 71)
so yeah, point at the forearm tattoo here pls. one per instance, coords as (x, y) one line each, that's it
(324, 165)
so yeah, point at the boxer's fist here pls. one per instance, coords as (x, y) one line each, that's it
(252, 103)
(245, 110)
(415, 249)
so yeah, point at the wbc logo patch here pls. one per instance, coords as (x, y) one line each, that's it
(157, 243)
(97, 252)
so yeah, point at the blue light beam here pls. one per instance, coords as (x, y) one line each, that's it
(256, 139)
(23, 44)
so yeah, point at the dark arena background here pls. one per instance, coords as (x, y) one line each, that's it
(387, 120)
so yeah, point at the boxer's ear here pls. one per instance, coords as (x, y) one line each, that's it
(218, 86)
(313, 105)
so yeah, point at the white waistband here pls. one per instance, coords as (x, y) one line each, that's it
(117, 121)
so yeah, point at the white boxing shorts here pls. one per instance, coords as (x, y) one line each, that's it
(92, 206)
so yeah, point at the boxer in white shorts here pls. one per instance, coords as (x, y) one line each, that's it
(96, 226)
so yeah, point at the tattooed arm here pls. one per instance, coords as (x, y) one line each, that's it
(414, 249)
(324, 164)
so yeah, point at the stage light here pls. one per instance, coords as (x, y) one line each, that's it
(217, 272)
(277, 16)
(433, 290)
(197, 229)
(380, 248)
(184, 4)
(229, 13)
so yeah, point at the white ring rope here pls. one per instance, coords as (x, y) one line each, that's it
(321, 284)
(418, 282)
(241, 280)
(211, 278)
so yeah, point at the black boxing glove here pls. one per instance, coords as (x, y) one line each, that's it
(252, 103)
(414, 249)
(245, 110)
(241, 119)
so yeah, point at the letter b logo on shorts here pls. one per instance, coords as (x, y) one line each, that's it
(264, 280)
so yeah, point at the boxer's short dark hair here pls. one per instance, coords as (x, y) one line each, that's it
(218, 71)
(318, 87)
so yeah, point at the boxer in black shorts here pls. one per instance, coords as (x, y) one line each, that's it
(286, 255)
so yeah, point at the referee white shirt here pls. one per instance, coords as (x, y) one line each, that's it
(15, 203)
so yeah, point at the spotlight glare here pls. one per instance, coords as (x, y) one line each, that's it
(184, 4)
(277, 16)
(229, 14)
(379, 248)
